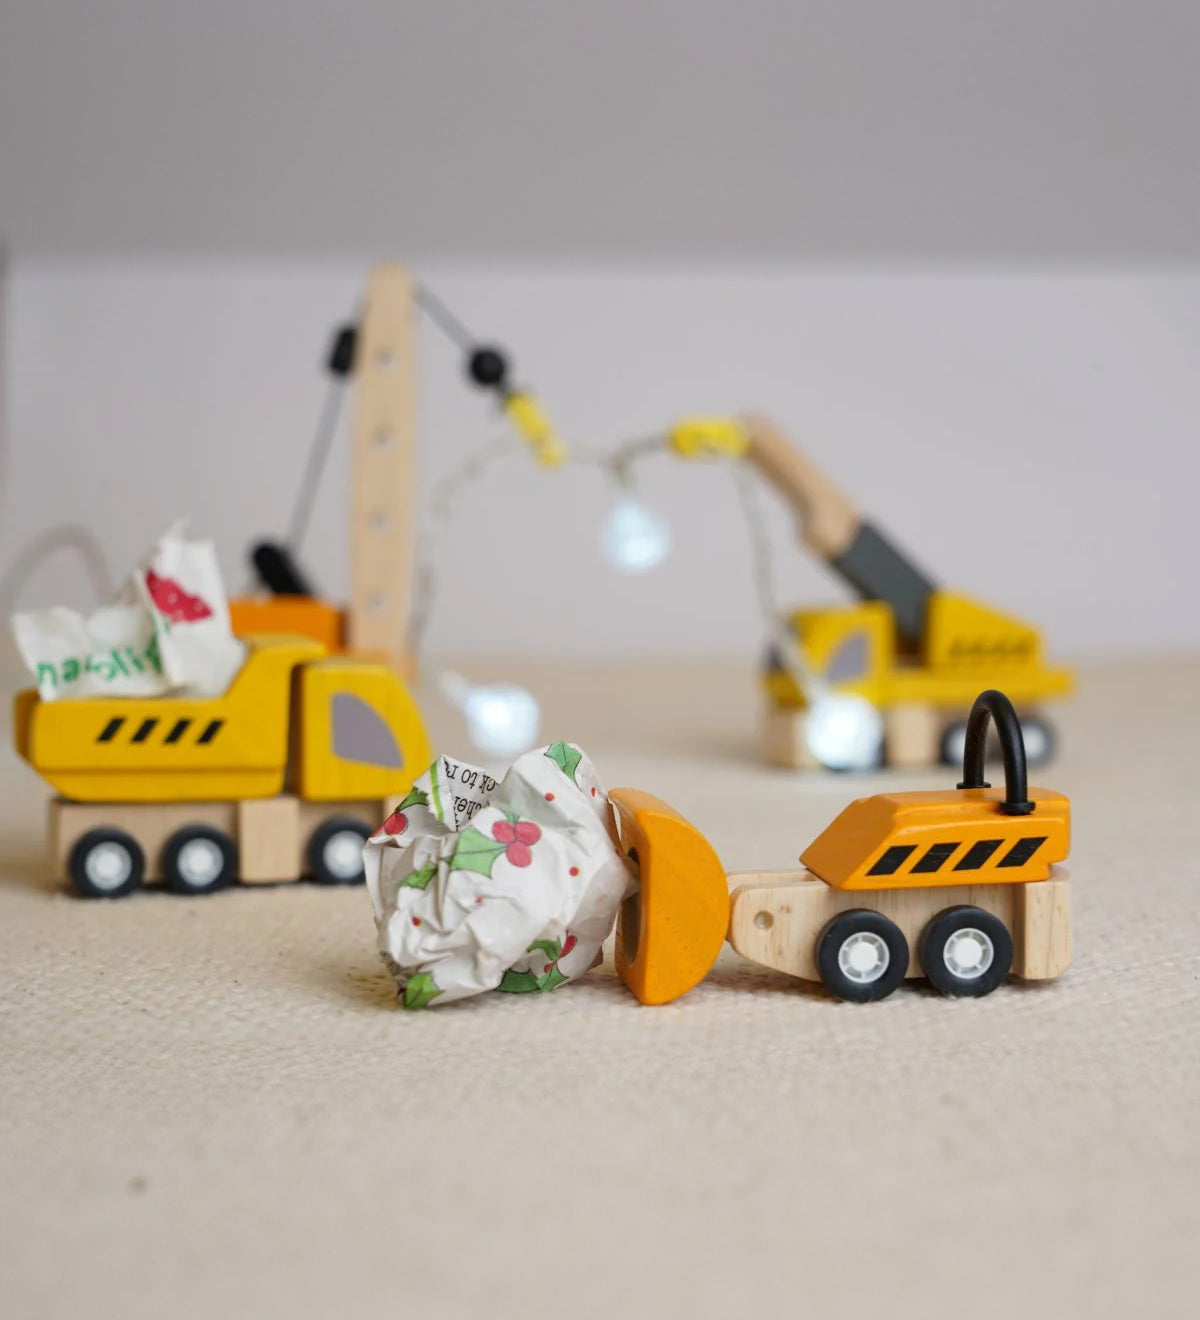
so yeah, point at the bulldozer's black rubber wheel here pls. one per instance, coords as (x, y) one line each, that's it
(966, 951)
(862, 956)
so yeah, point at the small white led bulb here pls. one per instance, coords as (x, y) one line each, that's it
(634, 539)
(844, 731)
(502, 719)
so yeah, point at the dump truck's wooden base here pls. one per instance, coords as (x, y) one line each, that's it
(776, 918)
(272, 834)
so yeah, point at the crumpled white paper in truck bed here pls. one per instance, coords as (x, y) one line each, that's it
(167, 631)
(481, 884)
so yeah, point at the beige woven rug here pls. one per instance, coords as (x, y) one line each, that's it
(212, 1108)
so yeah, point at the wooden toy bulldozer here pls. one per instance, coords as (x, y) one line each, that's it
(961, 886)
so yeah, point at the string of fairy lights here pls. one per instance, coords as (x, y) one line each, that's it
(503, 719)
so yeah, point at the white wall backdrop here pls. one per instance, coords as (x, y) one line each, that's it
(629, 129)
(1030, 434)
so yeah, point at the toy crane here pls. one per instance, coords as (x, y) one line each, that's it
(379, 354)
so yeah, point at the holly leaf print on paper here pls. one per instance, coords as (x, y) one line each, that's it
(552, 978)
(518, 983)
(529, 982)
(475, 852)
(566, 757)
(420, 991)
(420, 878)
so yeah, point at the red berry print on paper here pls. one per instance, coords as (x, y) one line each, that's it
(518, 837)
(171, 601)
(397, 822)
(512, 838)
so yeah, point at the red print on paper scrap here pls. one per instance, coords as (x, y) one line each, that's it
(171, 600)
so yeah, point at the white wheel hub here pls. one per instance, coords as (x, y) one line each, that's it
(200, 862)
(343, 854)
(108, 866)
(968, 953)
(863, 957)
(1036, 742)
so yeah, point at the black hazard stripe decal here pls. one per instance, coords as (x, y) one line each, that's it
(1021, 851)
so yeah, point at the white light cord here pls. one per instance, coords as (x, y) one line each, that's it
(64, 536)
(618, 464)
(779, 631)
(442, 504)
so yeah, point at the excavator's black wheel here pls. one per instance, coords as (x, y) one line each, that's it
(1040, 741)
(1038, 732)
(953, 743)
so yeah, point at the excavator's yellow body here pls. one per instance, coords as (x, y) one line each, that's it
(966, 646)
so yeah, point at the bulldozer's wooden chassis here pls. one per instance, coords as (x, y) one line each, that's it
(776, 918)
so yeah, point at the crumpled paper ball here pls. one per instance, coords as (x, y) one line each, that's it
(511, 885)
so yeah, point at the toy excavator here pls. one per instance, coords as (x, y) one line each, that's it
(961, 886)
(914, 650)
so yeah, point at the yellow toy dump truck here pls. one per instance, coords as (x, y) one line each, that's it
(284, 775)
(960, 886)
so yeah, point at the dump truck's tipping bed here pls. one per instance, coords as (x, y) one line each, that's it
(161, 749)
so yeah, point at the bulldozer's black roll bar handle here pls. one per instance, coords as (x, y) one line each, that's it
(993, 705)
